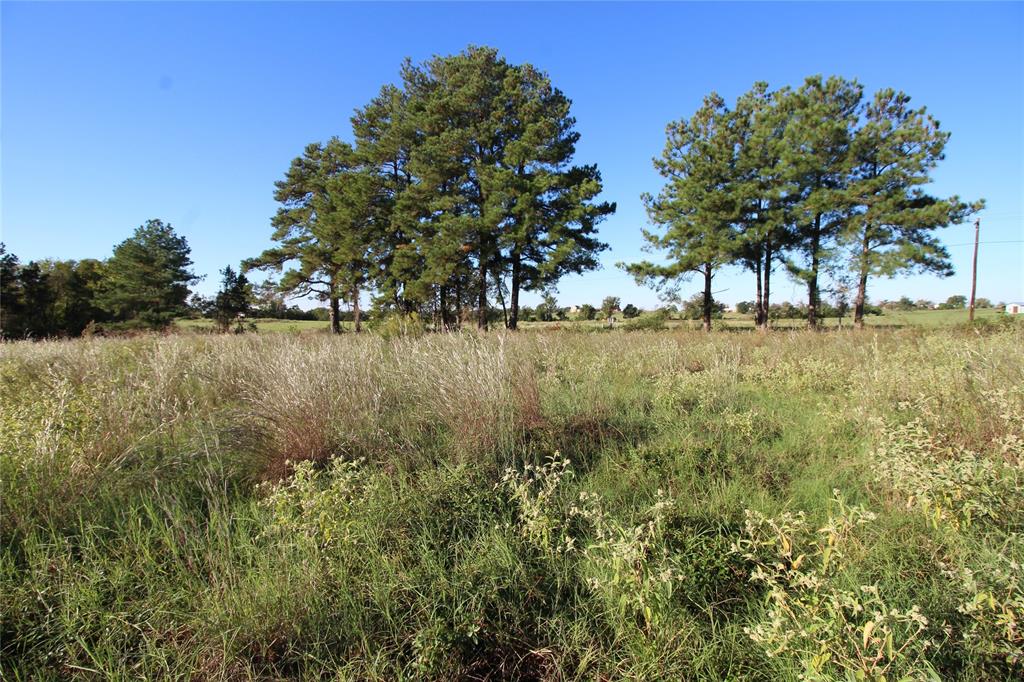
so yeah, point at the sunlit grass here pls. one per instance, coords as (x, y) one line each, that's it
(647, 505)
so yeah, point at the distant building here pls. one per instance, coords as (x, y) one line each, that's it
(1014, 308)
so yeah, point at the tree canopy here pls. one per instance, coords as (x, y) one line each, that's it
(147, 279)
(813, 178)
(460, 189)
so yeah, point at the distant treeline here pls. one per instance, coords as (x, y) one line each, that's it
(143, 285)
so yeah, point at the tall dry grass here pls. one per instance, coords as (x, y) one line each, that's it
(536, 505)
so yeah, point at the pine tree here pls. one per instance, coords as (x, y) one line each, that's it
(325, 227)
(892, 227)
(384, 133)
(698, 205)
(233, 301)
(492, 192)
(146, 280)
(11, 301)
(551, 224)
(821, 118)
(759, 123)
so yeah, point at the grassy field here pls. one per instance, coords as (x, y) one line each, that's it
(560, 506)
(263, 325)
(915, 318)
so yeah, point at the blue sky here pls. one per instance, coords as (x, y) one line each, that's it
(116, 113)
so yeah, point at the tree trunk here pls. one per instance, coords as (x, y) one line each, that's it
(759, 302)
(862, 285)
(356, 313)
(707, 297)
(335, 315)
(501, 300)
(481, 320)
(812, 278)
(767, 273)
(443, 303)
(458, 304)
(513, 320)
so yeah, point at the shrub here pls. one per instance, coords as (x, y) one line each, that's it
(648, 322)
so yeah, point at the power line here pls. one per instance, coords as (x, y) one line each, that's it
(1006, 241)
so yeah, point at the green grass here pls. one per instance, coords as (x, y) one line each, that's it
(265, 325)
(649, 505)
(916, 318)
(732, 320)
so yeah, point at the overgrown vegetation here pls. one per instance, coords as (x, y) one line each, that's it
(646, 505)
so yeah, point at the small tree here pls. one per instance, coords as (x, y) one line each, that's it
(548, 309)
(630, 311)
(146, 280)
(904, 304)
(233, 302)
(954, 303)
(694, 308)
(609, 305)
(586, 312)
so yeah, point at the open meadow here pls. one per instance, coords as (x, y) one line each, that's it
(650, 505)
(731, 320)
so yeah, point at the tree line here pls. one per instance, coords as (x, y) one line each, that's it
(816, 180)
(459, 191)
(144, 284)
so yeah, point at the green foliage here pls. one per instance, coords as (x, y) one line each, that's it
(327, 225)
(954, 303)
(460, 187)
(548, 309)
(650, 321)
(813, 178)
(146, 281)
(233, 302)
(609, 305)
(892, 227)
(693, 308)
(586, 312)
(48, 298)
(542, 506)
(394, 325)
(832, 632)
(696, 208)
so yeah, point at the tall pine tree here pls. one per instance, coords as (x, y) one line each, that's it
(325, 227)
(146, 280)
(698, 206)
(892, 228)
(821, 118)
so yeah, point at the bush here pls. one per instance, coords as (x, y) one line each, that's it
(648, 322)
(397, 325)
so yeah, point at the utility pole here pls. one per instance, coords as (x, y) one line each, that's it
(974, 269)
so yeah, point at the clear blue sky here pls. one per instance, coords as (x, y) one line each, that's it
(115, 113)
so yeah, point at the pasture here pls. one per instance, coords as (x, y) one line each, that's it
(650, 506)
(731, 320)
